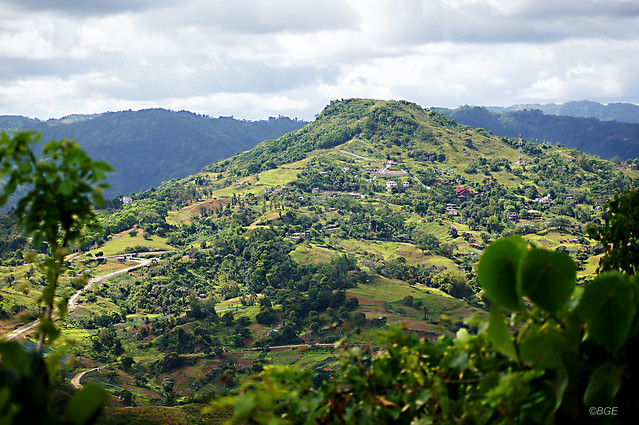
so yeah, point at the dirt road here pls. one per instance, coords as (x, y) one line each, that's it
(73, 301)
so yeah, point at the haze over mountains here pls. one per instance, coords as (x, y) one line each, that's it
(605, 130)
(622, 112)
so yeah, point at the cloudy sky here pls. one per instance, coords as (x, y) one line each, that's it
(259, 58)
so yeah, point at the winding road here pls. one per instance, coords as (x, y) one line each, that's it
(73, 301)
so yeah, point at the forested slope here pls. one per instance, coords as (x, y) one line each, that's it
(150, 146)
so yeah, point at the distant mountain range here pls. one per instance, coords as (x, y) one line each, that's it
(604, 138)
(150, 146)
(622, 112)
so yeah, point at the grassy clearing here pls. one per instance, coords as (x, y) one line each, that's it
(303, 357)
(312, 254)
(381, 289)
(119, 243)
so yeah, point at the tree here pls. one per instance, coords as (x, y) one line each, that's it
(168, 384)
(427, 241)
(56, 209)
(559, 356)
(127, 362)
(619, 235)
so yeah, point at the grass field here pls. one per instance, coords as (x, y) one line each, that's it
(119, 243)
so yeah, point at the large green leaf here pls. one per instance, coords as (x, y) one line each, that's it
(499, 335)
(542, 347)
(497, 271)
(603, 386)
(548, 278)
(86, 404)
(608, 307)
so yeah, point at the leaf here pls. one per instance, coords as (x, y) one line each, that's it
(603, 386)
(14, 356)
(542, 348)
(498, 334)
(245, 405)
(548, 278)
(497, 271)
(608, 307)
(87, 404)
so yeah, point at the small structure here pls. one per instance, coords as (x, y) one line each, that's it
(463, 192)
(127, 200)
(406, 184)
(544, 200)
(391, 184)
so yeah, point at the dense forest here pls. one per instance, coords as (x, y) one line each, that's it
(150, 146)
(290, 260)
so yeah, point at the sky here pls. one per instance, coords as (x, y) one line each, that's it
(261, 58)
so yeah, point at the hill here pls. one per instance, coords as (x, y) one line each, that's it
(374, 213)
(607, 139)
(150, 146)
(622, 112)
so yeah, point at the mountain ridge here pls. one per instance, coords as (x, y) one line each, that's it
(621, 112)
(149, 146)
(607, 139)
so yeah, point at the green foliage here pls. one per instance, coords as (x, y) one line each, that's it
(568, 350)
(172, 143)
(57, 207)
(604, 138)
(55, 210)
(620, 234)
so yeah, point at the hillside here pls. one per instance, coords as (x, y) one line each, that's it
(622, 112)
(607, 139)
(375, 213)
(150, 146)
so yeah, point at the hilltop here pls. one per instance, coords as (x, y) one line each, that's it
(150, 146)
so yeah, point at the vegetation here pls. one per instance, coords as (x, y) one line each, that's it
(374, 214)
(54, 211)
(608, 139)
(563, 351)
(151, 146)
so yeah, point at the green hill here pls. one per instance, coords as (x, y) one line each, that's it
(375, 213)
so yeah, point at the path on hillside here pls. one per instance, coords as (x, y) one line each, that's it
(360, 157)
(73, 301)
(75, 381)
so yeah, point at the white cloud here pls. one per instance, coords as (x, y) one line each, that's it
(267, 57)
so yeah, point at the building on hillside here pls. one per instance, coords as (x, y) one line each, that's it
(391, 184)
(127, 200)
(406, 184)
(544, 200)
(463, 192)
